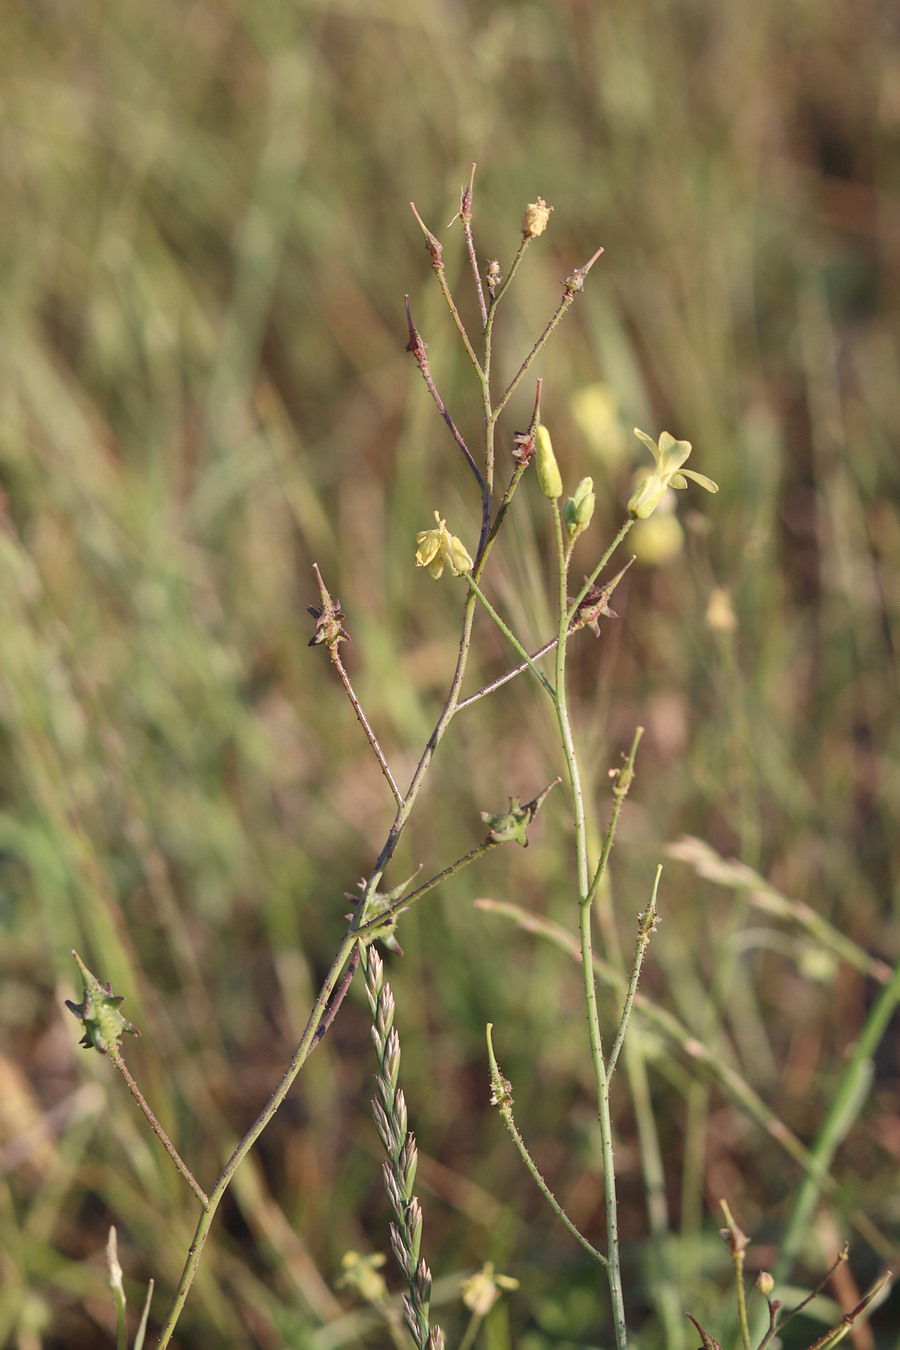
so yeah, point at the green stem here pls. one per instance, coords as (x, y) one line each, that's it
(712, 1064)
(364, 722)
(573, 608)
(646, 925)
(502, 1098)
(624, 779)
(510, 635)
(573, 286)
(301, 1054)
(116, 1056)
(601, 1074)
(527, 664)
(370, 928)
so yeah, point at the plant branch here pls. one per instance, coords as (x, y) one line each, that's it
(368, 930)
(115, 1056)
(589, 581)
(334, 653)
(601, 1075)
(624, 777)
(508, 633)
(727, 1078)
(571, 287)
(502, 1098)
(307, 1044)
(417, 347)
(435, 248)
(646, 926)
(527, 664)
(465, 215)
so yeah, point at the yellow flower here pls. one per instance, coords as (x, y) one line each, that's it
(437, 547)
(669, 455)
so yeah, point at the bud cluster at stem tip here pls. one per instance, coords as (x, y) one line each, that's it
(579, 508)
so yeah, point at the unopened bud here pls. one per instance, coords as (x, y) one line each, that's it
(764, 1283)
(579, 508)
(547, 468)
(535, 217)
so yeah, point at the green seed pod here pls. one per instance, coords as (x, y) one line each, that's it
(547, 467)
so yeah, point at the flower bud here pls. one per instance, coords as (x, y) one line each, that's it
(579, 508)
(547, 467)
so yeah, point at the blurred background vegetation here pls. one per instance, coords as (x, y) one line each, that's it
(205, 243)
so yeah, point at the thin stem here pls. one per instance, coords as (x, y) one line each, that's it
(624, 779)
(700, 1055)
(434, 740)
(646, 926)
(371, 927)
(434, 249)
(601, 1075)
(573, 608)
(490, 415)
(490, 530)
(337, 998)
(507, 280)
(573, 285)
(738, 1243)
(510, 635)
(502, 509)
(538, 346)
(471, 1331)
(115, 1056)
(145, 1317)
(417, 347)
(301, 1054)
(465, 215)
(528, 664)
(501, 1097)
(344, 678)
